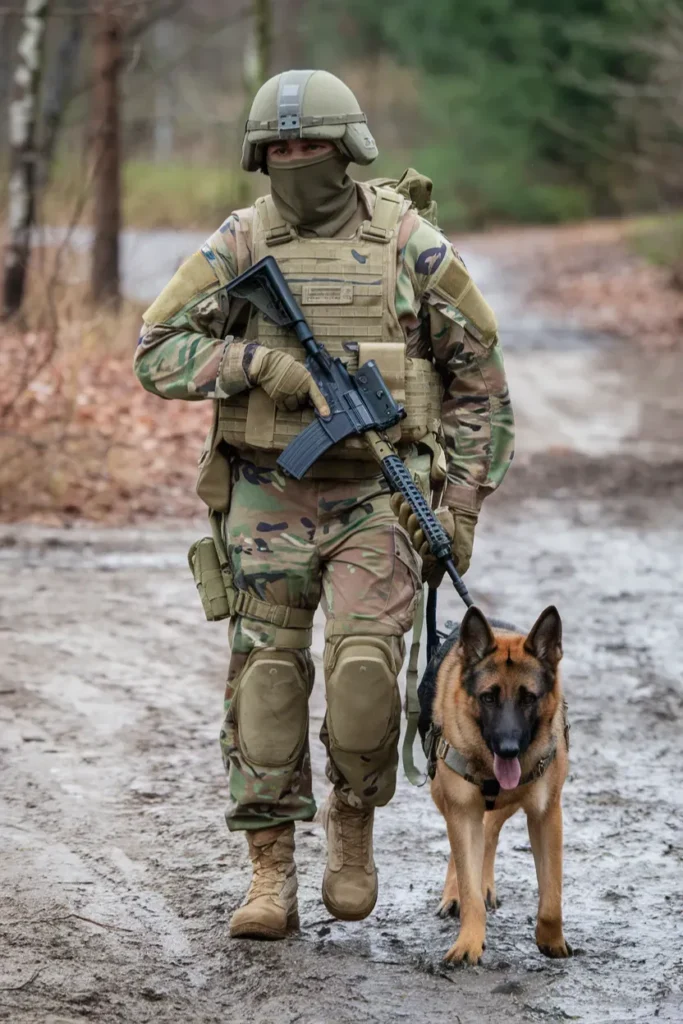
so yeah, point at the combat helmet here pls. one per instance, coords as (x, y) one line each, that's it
(306, 105)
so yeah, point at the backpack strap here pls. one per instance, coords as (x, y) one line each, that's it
(275, 229)
(385, 215)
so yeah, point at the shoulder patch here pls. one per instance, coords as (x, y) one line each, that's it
(194, 276)
(429, 260)
(453, 284)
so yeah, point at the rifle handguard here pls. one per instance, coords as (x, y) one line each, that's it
(400, 479)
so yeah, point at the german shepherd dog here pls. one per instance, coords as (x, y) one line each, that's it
(493, 724)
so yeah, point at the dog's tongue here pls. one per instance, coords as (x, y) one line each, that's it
(507, 770)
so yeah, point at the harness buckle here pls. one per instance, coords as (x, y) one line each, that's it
(490, 788)
(280, 234)
(370, 233)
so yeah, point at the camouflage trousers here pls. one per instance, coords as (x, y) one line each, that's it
(298, 544)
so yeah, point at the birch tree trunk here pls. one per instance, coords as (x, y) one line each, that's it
(107, 56)
(23, 110)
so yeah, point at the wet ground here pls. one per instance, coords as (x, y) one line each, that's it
(117, 874)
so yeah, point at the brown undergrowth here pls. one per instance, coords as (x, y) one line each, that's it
(599, 275)
(79, 438)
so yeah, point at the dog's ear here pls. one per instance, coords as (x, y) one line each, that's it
(544, 641)
(476, 639)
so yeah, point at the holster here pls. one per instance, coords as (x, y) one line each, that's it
(210, 566)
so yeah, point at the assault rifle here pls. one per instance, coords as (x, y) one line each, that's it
(359, 403)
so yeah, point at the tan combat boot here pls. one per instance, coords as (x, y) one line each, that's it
(270, 910)
(350, 880)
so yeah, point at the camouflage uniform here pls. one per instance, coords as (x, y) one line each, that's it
(181, 357)
(292, 542)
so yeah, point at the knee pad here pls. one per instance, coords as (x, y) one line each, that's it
(363, 701)
(271, 707)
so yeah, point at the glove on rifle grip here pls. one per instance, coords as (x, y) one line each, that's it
(400, 479)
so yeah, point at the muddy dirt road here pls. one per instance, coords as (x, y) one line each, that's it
(117, 873)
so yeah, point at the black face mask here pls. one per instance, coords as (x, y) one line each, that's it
(314, 193)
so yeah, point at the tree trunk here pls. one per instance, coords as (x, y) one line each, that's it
(6, 49)
(163, 125)
(58, 89)
(22, 136)
(257, 53)
(292, 40)
(263, 32)
(107, 58)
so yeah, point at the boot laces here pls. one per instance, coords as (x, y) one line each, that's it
(270, 870)
(267, 883)
(354, 828)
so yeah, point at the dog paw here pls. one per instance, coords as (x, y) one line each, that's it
(465, 951)
(448, 908)
(491, 900)
(559, 951)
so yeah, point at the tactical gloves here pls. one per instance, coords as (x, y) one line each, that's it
(246, 364)
(287, 382)
(459, 524)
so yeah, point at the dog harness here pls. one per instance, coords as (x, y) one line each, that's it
(435, 746)
(490, 788)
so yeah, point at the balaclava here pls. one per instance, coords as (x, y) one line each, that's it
(315, 194)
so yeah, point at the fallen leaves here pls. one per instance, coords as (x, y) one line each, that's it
(82, 439)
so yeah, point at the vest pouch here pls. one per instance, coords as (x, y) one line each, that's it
(390, 357)
(270, 428)
(424, 396)
(261, 416)
(214, 478)
(232, 418)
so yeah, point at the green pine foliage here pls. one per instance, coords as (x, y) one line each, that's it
(529, 108)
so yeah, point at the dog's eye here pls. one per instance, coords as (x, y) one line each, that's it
(488, 697)
(528, 698)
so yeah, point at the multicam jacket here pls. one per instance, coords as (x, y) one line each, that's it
(179, 353)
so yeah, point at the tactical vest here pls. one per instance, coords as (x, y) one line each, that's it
(346, 288)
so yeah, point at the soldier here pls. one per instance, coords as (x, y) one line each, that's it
(375, 280)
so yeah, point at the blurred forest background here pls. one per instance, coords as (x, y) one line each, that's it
(131, 114)
(521, 110)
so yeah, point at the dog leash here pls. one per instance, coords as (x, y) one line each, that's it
(433, 636)
(412, 703)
